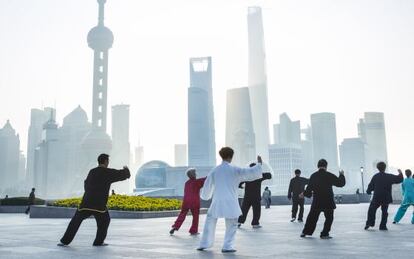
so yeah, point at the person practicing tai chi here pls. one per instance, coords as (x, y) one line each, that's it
(221, 185)
(381, 184)
(408, 197)
(320, 187)
(191, 202)
(297, 186)
(252, 198)
(95, 198)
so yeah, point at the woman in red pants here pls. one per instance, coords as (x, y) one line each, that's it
(191, 202)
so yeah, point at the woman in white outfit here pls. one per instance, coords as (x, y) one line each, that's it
(222, 186)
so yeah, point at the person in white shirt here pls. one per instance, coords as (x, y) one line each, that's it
(222, 186)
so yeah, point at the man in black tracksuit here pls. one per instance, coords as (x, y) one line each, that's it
(252, 198)
(296, 187)
(94, 201)
(381, 183)
(320, 187)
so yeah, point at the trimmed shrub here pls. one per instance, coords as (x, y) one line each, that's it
(20, 201)
(128, 203)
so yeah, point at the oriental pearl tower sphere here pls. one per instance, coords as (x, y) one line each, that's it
(100, 39)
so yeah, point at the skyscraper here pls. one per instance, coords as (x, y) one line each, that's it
(287, 131)
(37, 119)
(9, 157)
(239, 126)
(352, 152)
(201, 133)
(120, 142)
(324, 139)
(100, 39)
(371, 129)
(180, 154)
(257, 80)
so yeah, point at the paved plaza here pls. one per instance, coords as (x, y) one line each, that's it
(21, 237)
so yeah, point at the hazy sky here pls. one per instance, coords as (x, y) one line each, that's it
(346, 57)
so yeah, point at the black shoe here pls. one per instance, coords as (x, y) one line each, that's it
(103, 244)
(172, 231)
(326, 237)
(300, 220)
(293, 219)
(194, 234)
(239, 225)
(224, 251)
(394, 222)
(383, 228)
(302, 235)
(201, 249)
(366, 227)
(62, 244)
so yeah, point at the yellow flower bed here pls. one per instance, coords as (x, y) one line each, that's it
(128, 203)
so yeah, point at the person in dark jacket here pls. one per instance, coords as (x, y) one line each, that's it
(381, 184)
(320, 187)
(97, 186)
(191, 202)
(296, 187)
(31, 200)
(252, 198)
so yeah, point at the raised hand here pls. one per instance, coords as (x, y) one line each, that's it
(399, 171)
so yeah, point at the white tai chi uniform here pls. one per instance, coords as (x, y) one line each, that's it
(222, 185)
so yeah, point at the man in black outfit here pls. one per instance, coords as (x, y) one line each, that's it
(31, 200)
(252, 198)
(296, 187)
(94, 200)
(381, 183)
(320, 187)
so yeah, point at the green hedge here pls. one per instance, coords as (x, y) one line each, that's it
(128, 203)
(19, 201)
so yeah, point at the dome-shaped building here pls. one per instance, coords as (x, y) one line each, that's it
(152, 174)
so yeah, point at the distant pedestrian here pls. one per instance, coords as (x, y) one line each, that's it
(97, 185)
(381, 184)
(320, 187)
(357, 191)
(191, 202)
(408, 197)
(267, 197)
(252, 198)
(113, 192)
(296, 187)
(31, 200)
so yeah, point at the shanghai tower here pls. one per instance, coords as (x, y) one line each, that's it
(201, 133)
(257, 81)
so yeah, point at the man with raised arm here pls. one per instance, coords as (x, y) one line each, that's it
(222, 186)
(381, 184)
(95, 198)
(320, 187)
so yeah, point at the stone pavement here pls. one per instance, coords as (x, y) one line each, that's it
(21, 237)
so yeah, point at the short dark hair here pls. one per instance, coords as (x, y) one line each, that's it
(322, 163)
(33, 189)
(226, 153)
(252, 164)
(381, 166)
(297, 171)
(408, 173)
(102, 158)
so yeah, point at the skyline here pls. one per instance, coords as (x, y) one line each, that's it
(68, 98)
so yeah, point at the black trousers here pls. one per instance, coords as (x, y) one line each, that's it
(297, 202)
(102, 222)
(373, 210)
(312, 220)
(247, 203)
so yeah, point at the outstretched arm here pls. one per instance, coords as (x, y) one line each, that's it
(250, 173)
(309, 189)
(398, 178)
(208, 187)
(114, 175)
(339, 181)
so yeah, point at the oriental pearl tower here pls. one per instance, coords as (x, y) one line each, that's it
(100, 39)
